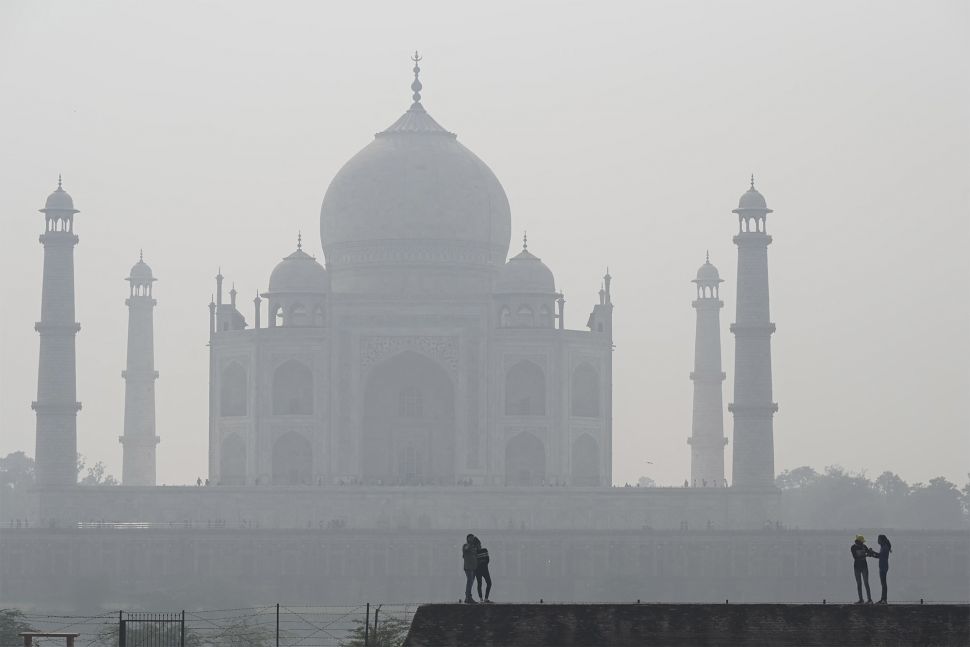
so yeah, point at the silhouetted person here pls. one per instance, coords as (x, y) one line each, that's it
(860, 552)
(469, 557)
(885, 547)
(481, 572)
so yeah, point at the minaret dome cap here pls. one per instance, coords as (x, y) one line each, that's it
(140, 271)
(752, 200)
(59, 200)
(708, 274)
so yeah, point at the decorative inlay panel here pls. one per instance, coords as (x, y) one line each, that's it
(441, 348)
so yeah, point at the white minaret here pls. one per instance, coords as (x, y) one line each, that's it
(707, 439)
(56, 404)
(139, 439)
(753, 409)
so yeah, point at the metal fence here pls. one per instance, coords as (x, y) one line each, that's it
(137, 629)
(270, 626)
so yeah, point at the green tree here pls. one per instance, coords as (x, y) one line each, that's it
(390, 632)
(966, 501)
(17, 470)
(97, 475)
(12, 622)
(938, 504)
(800, 477)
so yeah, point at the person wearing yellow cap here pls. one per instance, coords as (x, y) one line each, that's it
(860, 552)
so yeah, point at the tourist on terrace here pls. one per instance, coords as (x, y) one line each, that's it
(481, 572)
(860, 552)
(469, 557)
(885, 547)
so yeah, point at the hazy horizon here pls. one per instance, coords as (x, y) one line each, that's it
(207, 134)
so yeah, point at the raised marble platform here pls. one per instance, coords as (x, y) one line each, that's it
(694, 625)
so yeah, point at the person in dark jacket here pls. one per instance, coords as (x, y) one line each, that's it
(860, 552)
(469, 559)
(481, 573)
(885, 547)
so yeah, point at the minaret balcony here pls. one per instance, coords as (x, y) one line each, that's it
(47, 328)
(753, 410)
(708, 376)
(753, 329)
(752, 239)
(65, 408)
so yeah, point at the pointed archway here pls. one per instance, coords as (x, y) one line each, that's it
(408, 422)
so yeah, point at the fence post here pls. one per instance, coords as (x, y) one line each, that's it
(121, 629)
(367, 625)
(182, 626)
(376, 613)
(277, 624)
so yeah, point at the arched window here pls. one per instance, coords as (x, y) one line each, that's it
(233, 389)
(292, 460)
(410, 403)
(292, 389)
(586, 461)
(298, 316)
(526, 317)
(585, 400)
(525, 390)
(276, 316)
(505, 317)
(525, 461)
(232, 461)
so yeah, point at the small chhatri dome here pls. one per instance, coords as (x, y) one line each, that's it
(140, 271)
(708, 273)
(525, 273)
(298, 272)
(59, 200)
(752, 200)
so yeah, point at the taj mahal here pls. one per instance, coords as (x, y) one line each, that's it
(420, 380)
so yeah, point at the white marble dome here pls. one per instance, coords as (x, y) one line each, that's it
(525, 273)
(298, 272)
(415, 196)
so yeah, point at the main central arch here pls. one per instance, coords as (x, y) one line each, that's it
(408, 422)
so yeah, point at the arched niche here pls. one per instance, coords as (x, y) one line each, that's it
(525, 390)
(297, 315)
(525, 460)
(408, 422)
(293, 389)
(585, 461)
(233, 390)
(232, 461)
(585, 392)
(505, 317)
(292, 460)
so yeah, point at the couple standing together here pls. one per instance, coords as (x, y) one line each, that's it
(860, 552)
(474, 558)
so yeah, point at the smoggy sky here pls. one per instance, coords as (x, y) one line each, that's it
(624, 133)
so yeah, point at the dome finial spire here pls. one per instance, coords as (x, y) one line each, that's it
(525, 240)
(752, 181)
(416, 86)
(59, 188)
(141, 255)
(707, 256)
(299, 239)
